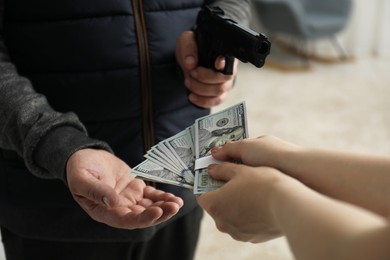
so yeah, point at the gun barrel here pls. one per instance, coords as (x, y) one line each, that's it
(246, 45)
(217, 35)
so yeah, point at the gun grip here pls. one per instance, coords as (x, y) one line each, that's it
(229, 65)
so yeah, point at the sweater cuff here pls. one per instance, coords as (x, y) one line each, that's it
(53, 151)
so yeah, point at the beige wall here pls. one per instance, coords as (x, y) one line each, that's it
(369, 29)
(367, 32)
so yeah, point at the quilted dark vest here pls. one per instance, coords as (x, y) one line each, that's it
(112, 63)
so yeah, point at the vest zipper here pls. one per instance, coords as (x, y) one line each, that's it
(145, 75)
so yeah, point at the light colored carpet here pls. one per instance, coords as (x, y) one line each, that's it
(343, 106)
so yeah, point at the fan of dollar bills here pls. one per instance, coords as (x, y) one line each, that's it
(182, 159)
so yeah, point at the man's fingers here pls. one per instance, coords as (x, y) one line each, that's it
(123, 218)
(220, 63)
(187, 50)
(155, 195)
(135, 217)
(207, 76)
(147, 217)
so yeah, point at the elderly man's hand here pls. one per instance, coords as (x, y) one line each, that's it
(105, 188)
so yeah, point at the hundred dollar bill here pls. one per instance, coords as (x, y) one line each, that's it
(159, 153)
(181, 146)
(159, 161)
(163, 146)
(151, 171)
(219, 128)
(204, 182)
(191, 133)
(182, 159)
(216, 130)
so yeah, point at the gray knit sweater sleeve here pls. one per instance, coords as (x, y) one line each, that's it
(29, 126)
(238, 10)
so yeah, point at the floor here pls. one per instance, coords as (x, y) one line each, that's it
(342, 106)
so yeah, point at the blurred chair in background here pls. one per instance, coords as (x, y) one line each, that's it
(293, 24)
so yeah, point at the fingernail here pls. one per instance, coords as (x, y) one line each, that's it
(216, 149)
(189, 62)
(221, 64)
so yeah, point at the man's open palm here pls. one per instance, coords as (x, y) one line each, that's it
(104, 187)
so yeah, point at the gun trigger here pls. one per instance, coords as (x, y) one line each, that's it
(229, 65)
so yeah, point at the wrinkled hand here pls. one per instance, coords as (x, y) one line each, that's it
(104, 187)
(264, 150)
(242, 206)
(208, 87)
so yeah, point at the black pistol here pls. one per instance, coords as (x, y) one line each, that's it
(216, 35)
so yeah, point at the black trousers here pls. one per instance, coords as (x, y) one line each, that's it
(175, 241)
